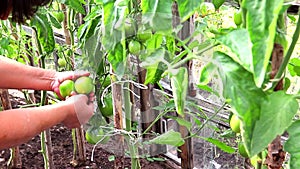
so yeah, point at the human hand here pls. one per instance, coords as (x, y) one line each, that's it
(82, 109)
(62, 76)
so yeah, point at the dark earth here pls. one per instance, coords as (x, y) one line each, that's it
(206, 156)
(62, 154)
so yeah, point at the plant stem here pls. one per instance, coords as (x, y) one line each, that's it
(206, 121)
(288, 54)
(127, 106)
(154, 121)
(42, 103)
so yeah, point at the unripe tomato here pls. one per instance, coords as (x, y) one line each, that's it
(235, 123)
(61, 62)
(106, 109)
(66, 87)
(93, 136)
(84, 85)
(134, 47)
(129, 27)
(143, 36)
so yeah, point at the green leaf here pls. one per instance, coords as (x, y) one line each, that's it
(44, 30)
(294, 67)
(206, 74)
(154, 65)
(187, 8)
(169, 138)
(261, 24)
(77, 5)
(292, 145)
(277, 112)
(154, 73)
(240, 44)
(287, 84)
(91, 50)
(154, 58)
(54, 21)
(182, 122)
(218, 3)
(117, 60)
(91, 24)
(280, 37)
(220, 145)
(179, 84)
(158, 14)
(244, 97)
(113, 16)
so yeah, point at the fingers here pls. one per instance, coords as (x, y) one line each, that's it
(82, 110)
(68, 75)
(78, 74)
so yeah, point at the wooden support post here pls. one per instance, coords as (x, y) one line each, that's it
(276, 155)
(15, 152)
(118, 122)
(147, 101)
(186, 153)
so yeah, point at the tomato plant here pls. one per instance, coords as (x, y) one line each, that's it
(113, 33)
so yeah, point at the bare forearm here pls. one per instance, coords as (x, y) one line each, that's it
(15, 75)
(19, 125)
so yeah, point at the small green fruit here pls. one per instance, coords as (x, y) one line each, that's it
(66, 87)
(235, 123)
(129, 27)
(61, 62)
(96, 135)
(143, 36)
(106, 109)
(84, 85)
(134, 47)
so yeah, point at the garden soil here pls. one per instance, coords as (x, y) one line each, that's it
(206, 156)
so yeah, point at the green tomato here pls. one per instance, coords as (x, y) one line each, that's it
(237, 17)
(95, 135)
(66, 87)
(84, 85)
(235, 123)
(105, 82)
(134, 47)
(61, 62)
(143, 36)
(106, 109)
(129, 27)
